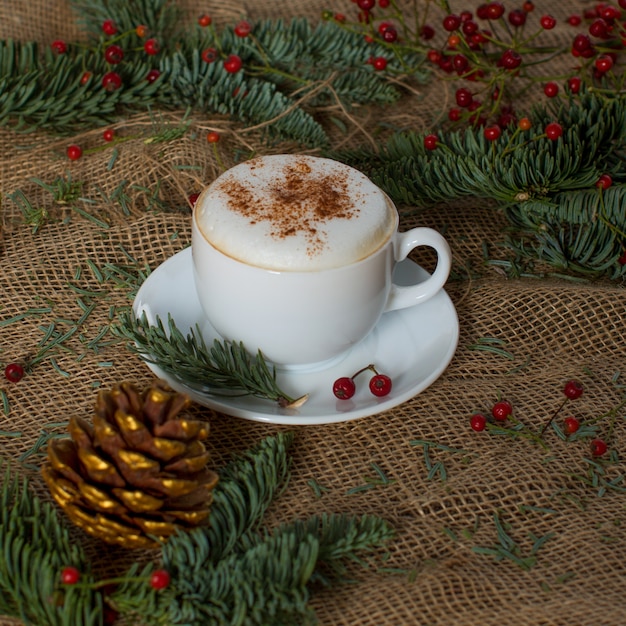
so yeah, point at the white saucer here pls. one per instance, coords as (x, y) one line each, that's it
(413, 346)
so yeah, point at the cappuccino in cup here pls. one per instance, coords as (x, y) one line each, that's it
(295, 213)
(293, 255)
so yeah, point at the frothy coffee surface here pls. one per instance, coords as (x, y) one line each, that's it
(295, 212)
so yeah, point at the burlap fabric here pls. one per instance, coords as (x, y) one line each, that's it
(554, 329)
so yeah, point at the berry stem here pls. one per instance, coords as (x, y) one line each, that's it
(370, 367)
(545, 427)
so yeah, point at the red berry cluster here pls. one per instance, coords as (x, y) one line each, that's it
(491, 48)
(380, 384)
(114, 53)
(500, 411)
(503, 410)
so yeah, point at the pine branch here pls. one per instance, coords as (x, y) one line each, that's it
(230, 573)
(46, 92)
(247, 486)
(209, 87)
(546, 187)
(465, 163)
(583, 232)
(340, 537)
(35, 546)
(224, 369)
(289, 70)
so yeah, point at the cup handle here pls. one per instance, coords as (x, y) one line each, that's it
(401, 297)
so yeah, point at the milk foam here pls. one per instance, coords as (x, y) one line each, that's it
(295, 213)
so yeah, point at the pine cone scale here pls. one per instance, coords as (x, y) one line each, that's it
(99, 469)
(138, 501)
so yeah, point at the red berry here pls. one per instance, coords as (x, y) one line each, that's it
(528, 6)
(160, 579)
(598, 28)
(383, 4)
(525, 124)
(571, 425)
(445, 63)
(551, 89)
(380, 385)
(366, 5)
(152, 75)
(209, 55)
(151, 47)
(460, 62)
(573, 389)
(140, 31)
(390, 34)
(510, 59)
(478, 422)
(233, 64)
(74, 152)
(454, 114)
(344, 388)
(604, 63)
(451, 22)
(574, 20)
(495, 10)
(604, 181)
(109, 27)
(383, 26)
(610, 13)
(111, 81)
(84, 79)
(339, 17)
(469, 28)
(434, 56)
(430, 142)
(553, 131)
(517, 17)
(598, 447)
(501, 410)
(581, 42)
(108, 134)
(193, 198)
(573, 84)
(243, 28)
(59, 46)
(14, 372)
(379, 63)
(492, 133)
(204, 20)
(463, 97)
(547, 22)
(427, 32)
(113, 54)
(70, 575)
(213, 137)
(507, 119)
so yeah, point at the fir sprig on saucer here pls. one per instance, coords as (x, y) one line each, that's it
(226, 368)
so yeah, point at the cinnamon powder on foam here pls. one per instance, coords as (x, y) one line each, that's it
(296, 203)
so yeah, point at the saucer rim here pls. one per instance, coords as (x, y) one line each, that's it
(272, 414)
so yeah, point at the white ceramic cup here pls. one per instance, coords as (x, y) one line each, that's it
(248, 287)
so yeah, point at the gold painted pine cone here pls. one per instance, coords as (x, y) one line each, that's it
(138, 473)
